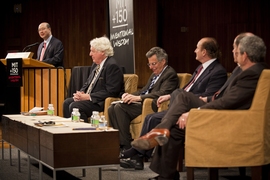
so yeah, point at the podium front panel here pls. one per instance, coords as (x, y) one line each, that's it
(44, 86)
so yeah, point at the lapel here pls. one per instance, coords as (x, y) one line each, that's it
(205, 73)
(157, 80)
(193, 75)
(93, 74)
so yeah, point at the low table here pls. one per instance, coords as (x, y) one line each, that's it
(60, 147)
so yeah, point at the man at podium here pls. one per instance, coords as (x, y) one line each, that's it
(51, 50)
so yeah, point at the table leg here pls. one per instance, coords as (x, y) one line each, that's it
(99, 173)
(19, 161)
(40, 169)
(119, 172)
(29, 167)
(10, 157)
(2, 149)
(54, 174)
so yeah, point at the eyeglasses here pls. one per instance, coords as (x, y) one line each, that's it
(236, 53)
(152, 64)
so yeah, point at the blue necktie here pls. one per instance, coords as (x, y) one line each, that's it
(151, 85)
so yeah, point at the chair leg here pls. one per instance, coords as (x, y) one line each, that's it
(213, 173)
(242, 171)
(256, 173)
(190, 173)
(180, 165)
(266, 172)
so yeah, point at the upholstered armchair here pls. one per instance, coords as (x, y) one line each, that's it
(136, 124)
(231, 138)
(131, 85)
(183, 80)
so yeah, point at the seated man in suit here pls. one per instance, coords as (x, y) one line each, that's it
(105, 80)
(162, 81)
(51, 50)
(170, 133)
(204, 82)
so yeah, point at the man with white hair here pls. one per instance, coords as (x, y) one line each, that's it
(105, 80)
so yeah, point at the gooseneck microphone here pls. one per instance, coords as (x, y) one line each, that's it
(29, 46)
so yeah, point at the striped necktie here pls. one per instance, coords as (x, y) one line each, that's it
(93, 80)
(151, 85)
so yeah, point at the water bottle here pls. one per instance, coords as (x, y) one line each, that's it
(50, 110)
(103, 122)
(75, 115)
(95, 119)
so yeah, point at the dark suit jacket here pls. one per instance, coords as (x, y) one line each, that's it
(110, 82)
(210, 81)
(166, 84)
(233, 97)
(54, 53)
(237, 70)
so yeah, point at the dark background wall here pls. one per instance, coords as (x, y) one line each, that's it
(174, 25)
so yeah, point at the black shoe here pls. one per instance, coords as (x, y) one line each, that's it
(134, 162)
(176, 176)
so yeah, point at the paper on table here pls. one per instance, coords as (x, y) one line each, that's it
(36, 109)
(120, 101)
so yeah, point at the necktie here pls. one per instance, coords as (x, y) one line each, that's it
(151, 85)
(215, 95)
(43, 51)
(93, 80)
(194, 79)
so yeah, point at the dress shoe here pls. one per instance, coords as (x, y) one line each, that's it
(153, 138)
(134, 162)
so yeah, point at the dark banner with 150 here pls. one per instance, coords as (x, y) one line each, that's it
(122, 33)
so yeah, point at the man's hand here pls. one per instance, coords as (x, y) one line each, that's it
(182, 120)
(129, 98)
(162, 99)
(80, 96)
(204, 99)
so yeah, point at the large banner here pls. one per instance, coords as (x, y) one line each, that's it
(122, 33)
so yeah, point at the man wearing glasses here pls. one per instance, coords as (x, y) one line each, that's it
(163, 80)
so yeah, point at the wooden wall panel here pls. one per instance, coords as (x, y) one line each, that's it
(222, 20)
(146, 36)
(156, 23)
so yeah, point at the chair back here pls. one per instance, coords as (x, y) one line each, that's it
(183, 79)
(131, 82)
(261, 100)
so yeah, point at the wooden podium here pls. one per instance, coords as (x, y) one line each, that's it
(31, 63)
(43, 84)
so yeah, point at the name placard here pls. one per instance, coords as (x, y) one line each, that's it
(14, 72)
(19, 55)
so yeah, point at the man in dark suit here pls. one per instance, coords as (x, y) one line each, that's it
(209, 80)
(106, 80)
(170, 133)
(163, 80)
(51, 50)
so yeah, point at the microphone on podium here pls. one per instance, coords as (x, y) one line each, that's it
(29, 46)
